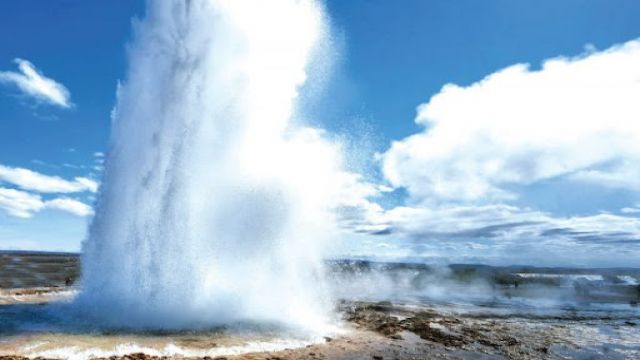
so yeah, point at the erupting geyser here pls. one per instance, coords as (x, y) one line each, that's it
(214, 205)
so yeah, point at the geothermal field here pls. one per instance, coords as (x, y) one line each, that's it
(220, 204)
(380, 311)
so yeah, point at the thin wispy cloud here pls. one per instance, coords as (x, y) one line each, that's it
(22, 198)
(33, 83)
(24, 205)
(30, 180)
(20, 203)
(69, 205)
(631, 209)
(499, 234)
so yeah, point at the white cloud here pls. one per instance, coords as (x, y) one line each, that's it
(30, 180)
(505, 234)
(575, 119)
(24, 205)
(483, 147)
(502, 222)
(355, 206)
(631, 210)
(70, 205)
(20, 203)
(99, 160)
(33, 83)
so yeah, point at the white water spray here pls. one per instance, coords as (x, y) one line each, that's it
(214, 206)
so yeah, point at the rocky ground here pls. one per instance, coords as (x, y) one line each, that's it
(383, 330)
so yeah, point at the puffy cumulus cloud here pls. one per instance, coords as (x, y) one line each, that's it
(34, 83)
(575, 119)
(24, 205)
(30, 180)
(487, 147)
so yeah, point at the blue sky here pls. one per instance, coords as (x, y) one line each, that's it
(392, 57)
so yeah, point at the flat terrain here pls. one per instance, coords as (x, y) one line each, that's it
(383, 330)
(372, 329)
(29, 269)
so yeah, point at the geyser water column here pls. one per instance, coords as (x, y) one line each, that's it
(214, 206)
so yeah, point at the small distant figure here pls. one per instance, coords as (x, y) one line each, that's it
(68, 281)
(634, 302)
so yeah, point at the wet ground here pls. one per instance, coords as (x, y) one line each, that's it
(405, 313)
(371, 330)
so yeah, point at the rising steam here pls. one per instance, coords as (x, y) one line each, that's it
(214, 206)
